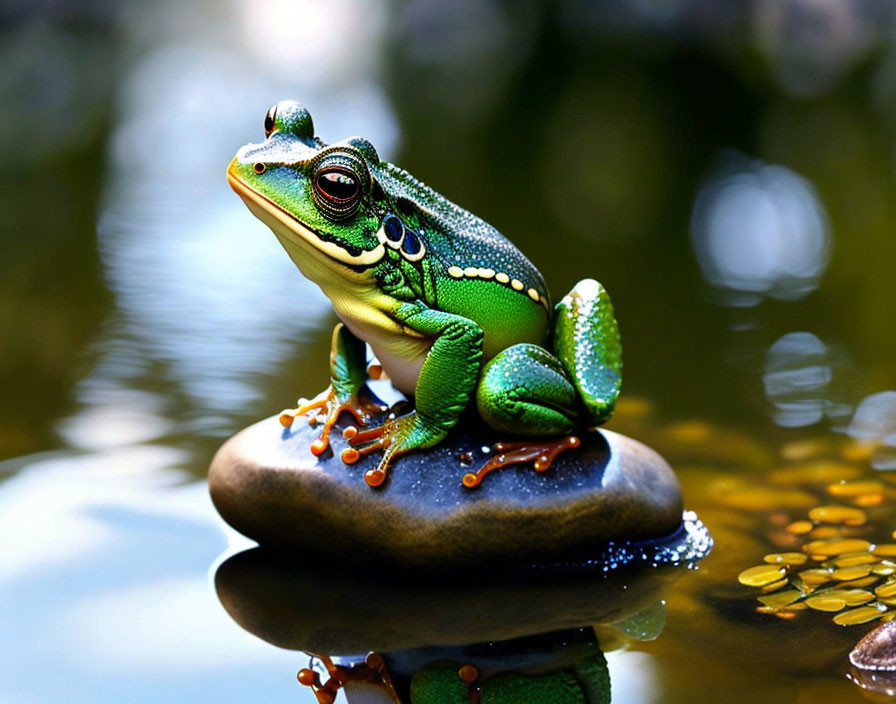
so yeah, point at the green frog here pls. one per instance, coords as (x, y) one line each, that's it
(455, 314)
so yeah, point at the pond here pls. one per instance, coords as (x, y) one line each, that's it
(726, 172)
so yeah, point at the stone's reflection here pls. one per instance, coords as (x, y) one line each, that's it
(759, 230)
(883, 683)
(445, 639)
(798, 372)
(340, 611)
(874, 422)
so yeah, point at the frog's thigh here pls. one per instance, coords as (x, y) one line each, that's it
(524, 390)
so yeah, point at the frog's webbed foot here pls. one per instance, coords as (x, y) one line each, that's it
(541, 452)
(394, 437)
(325, 409)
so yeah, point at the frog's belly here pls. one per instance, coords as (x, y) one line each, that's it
(400, 355)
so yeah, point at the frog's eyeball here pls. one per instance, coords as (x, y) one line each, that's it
(337, 186)
(270, 120)
(289, 116)
(337, 192)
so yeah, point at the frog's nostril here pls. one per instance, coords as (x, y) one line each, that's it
(258, 167)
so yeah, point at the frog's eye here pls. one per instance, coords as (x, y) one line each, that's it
(270, 120)
(337, 186)
(337, 192)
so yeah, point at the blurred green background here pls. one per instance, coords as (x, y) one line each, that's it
(726, 169)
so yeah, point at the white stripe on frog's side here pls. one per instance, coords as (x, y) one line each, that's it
(473, 272)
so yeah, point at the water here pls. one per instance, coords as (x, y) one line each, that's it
(726, 172)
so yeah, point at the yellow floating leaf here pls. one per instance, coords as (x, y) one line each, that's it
(846, 573)
(823, 602)
(826, 532)
(853, 489)
(761, 575)
(863, 614)
(887, 550)
(860, 583)
(798, 606)
(805, 449)
(887, 589)
(786, 558)
(815, 577)
(840, 546)
(826, 471)
(866, 500)
(780, 599)
(802, 527)
(846, 515)
(851, 559)
(774, 586)
(852, 597)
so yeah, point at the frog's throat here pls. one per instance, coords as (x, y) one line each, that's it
(281, 222)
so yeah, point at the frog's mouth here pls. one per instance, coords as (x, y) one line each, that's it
(285, 225)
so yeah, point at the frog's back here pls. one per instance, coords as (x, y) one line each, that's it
(478, 272)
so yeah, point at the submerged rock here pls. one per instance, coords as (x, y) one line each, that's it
(268, 485)
(877, 650)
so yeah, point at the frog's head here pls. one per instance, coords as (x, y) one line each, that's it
(322, 201)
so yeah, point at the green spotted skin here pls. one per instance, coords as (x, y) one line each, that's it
(453, 311)
(585, 682)
(586, 340)
(439, 683)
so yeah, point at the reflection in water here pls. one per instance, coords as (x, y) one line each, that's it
(760, 230)
(440, 638)
(104, 557)
(874, 422)
(810, 44)
(798, 372)
(207, 300)
(565, 667)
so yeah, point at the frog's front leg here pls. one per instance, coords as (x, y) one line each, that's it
(348, 374)
(444, 387)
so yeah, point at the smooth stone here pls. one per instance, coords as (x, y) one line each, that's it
(877, 650)
(266, 483)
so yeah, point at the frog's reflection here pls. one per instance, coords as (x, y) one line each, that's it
(451, 639)
(565, 666)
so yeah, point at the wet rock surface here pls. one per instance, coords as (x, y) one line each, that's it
(267, 484)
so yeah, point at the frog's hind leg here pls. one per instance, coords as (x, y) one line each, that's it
(525, 390)
(348, 374)
(587, 343)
